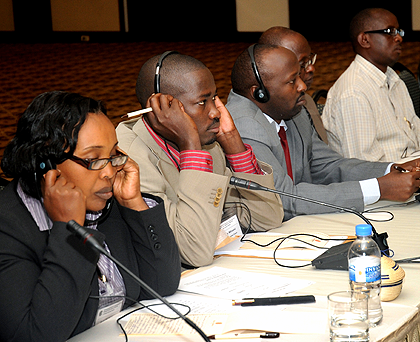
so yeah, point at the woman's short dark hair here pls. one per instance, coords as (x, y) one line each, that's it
(47, 129)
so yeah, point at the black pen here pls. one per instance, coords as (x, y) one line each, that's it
(274, 301)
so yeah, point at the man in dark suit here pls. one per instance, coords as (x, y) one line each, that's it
(260, 108)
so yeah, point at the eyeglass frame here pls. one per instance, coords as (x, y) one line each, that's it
(310, 61)
(387, 31)
(87, 163)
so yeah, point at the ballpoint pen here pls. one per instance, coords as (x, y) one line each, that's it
(274, 301)
(399, 168)
(137, 113)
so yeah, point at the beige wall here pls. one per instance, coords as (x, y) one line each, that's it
(82, 15)
(6, 16)
(103, 15)
(258, 16)
(415, 14)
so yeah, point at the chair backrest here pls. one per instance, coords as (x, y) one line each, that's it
(316, 96)
(418, 74)
(314, 115)
(413, 86)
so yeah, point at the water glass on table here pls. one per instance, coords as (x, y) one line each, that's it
(348, 316)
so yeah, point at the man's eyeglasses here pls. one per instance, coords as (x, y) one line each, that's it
(310, 61)
(391, 31)
(99, 164)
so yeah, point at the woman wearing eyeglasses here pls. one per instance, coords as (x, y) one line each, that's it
(66, 166)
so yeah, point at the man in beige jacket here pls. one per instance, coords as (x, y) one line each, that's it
(182, 147)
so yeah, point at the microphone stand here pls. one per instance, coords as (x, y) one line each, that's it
(90, 240)
(380, 239)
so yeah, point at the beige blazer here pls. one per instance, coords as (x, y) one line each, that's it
(194, 200)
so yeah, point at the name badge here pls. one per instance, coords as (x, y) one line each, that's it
(108, 311)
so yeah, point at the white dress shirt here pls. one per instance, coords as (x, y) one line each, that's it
(369, 114)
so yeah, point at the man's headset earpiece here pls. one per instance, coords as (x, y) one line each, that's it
(261, 94)
(158, 66)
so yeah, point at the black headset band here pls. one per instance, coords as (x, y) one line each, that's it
(159, 66)
(261, 94)
(254, 66)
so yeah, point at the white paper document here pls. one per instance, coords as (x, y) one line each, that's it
(188, 302)
(224, 318)
(234, 284)
(150, 324)
(286, 319)
(300, 247)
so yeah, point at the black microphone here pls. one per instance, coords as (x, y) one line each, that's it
(88, 239)
(380, 239)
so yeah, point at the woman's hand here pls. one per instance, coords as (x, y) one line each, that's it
(127, 187)
(63, 201)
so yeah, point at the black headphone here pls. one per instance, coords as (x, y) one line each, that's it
(158, 66)
(43, 166)
(261, 94)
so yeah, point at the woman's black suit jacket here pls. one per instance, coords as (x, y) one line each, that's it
(46, 278)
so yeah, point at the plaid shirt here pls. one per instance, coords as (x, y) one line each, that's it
(369, 115)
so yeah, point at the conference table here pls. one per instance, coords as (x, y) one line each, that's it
(401, 320)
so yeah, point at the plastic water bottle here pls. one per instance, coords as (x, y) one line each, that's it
(364, 259)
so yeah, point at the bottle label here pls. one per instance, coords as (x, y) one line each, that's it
(365, 269)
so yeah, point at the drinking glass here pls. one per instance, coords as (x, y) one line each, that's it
(348, 316)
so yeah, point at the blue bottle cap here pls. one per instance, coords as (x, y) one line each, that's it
(363, 230)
